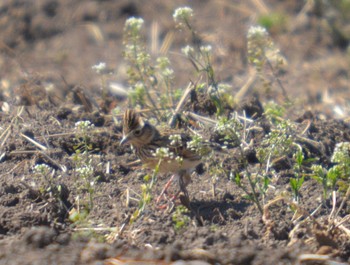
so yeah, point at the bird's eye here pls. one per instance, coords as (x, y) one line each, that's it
(137, 132)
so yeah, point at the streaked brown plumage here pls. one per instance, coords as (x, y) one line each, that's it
(146, 139)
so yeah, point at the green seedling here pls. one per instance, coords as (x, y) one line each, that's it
(180, 217)
(297, 182)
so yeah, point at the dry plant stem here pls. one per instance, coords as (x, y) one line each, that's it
(63, 168)
(154, 37)
(268, 163)
(261, 6)
(113, 236)
(345, 199)
(24, 152)
(13, 169)
(334, 202)
(130, 261)
(344, 220)
(317, 145)
(340, 225)
(134, 163)
(5, 135)
(7, 132)
(305, 213)
(244, 89)
(129, 198)
(306, 128)
(147, 110)
(315, 257)
(202, 119)
(244, 127)
(92, 132)
(245, 119)
(266, 214)
(181, 104)
(303, 14)
(168, 40)
(40, 146)
(93, 229)
(108, 167)
(127, 195)
(334, 214)
(284, 91)
(96, 32)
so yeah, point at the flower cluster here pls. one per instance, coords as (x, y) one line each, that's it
(99, 68)
(257, 32)
(163, 63)
(262, 48)
(179, 159)
(206, 49)
(196, 144)
(42, 168)
(85, 170)
(341, 153)
(182, 15)
(175, 139)
(133, 24)
(188, 51)
(229, 127)
(163, 152)
(84, 125)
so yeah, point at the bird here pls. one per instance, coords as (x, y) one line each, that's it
(146, 140)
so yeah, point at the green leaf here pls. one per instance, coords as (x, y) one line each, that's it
(238, 179)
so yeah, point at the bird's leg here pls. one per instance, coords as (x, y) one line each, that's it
(184, 180)
(166, 187)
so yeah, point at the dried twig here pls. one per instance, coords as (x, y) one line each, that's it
(40, 146)
(205, 120)
(181, 104)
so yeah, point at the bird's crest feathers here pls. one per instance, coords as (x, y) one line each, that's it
(131, 121)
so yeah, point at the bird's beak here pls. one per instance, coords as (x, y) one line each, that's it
(124, 140)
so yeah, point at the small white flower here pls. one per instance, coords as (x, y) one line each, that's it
(188, 50)
(223, 88)
(206, 49)
(85, 171)
(130, 47)
(175, 139)
(163, 62)
(84, 125)
(182, 14)
(168, 72)
(196, 143)
(341, 152)
(257, 31)
(41, 168)
(133, 24)
(99, 68)
(164, 152)
(179, 159)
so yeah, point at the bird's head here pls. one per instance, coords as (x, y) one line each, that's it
(135, 131)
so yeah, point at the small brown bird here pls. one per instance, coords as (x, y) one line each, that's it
(146, 140)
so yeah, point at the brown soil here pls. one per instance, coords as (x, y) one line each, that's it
(47, 50)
